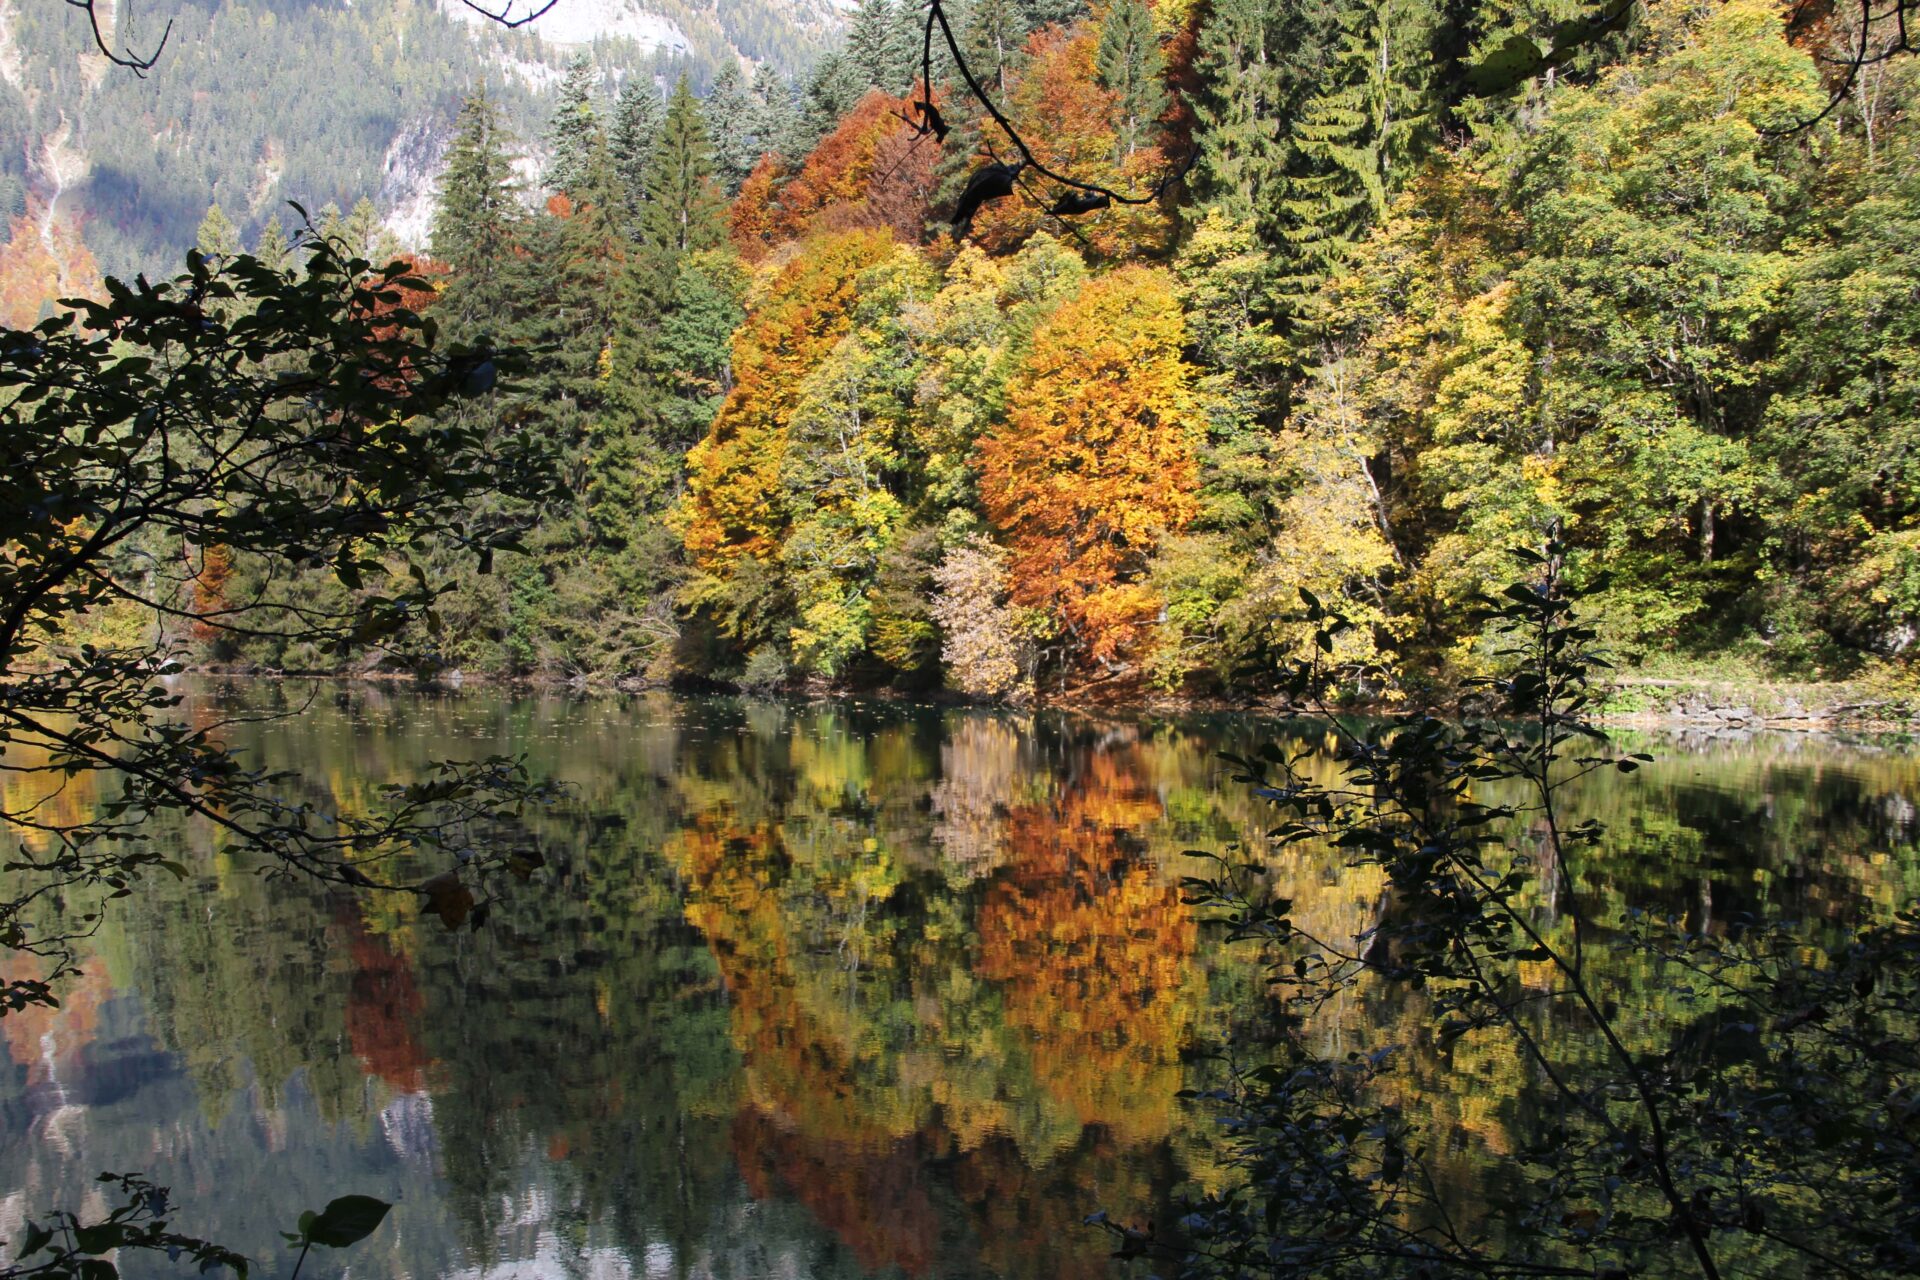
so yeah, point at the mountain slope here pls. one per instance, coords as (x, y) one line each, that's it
(257, 102)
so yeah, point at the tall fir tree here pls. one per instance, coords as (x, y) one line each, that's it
(217, 237)
(573, 127)
(905, 42)
(637, 113)
(729, 112)
(1256, 59)
(1377, 108)
(477, 222)
(993, 35)
(1128, 62)
(272, 247)
(776, 117)
(870, 44)
(684, 204)
(836, 84)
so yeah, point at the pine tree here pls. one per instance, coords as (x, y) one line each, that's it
(1051, 13)
(272, 248)
(571, 131)
(729, 112)
(1128, 61)
(905, 44)
(683, 206)
(476, 223)
(217, 238)
(993, 35)
(836, 84)
(363, 231)
(331, 226)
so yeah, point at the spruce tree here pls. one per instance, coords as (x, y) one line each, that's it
(1375, 110)
(1128, 62)
(1255, 61)
(217, 237)
(775, 115)
(1051, 13)
(836, 84)
(476, 223)
(729, 113)
(363, 231)
(993, 35)
(272, 248)
(571, 130)
(870, 44)
(905, 44)
(636, 123)
(331, 226)
(683, 203)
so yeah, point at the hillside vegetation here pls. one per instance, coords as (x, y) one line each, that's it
(1384, 327)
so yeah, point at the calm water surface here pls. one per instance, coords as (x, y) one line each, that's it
(832, 989)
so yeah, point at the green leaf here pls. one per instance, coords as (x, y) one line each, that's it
(346, 1220)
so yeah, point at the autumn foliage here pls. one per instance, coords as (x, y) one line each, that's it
(43, 260)
(874, 170)
(733, 474)
(1095, 463)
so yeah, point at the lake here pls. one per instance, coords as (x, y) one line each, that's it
(829, 989)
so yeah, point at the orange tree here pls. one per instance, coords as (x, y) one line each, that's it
(1095, 463)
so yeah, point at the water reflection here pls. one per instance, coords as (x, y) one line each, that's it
(828, 990)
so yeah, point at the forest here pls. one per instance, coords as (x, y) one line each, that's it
(1368, 325)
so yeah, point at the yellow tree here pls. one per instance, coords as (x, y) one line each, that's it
(1094, 464)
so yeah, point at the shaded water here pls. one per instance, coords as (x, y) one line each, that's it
(831, 989)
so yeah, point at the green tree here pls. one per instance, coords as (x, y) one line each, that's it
(1375, 108)
(684, 203)
(572, 127)
(729, 114)
(272, 248)
(217, 237)
(1128, 62)
(477, 222)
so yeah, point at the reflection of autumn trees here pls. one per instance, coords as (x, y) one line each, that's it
(384, 1006)
(1093, 948)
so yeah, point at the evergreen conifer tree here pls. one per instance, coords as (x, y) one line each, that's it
(364, 232)
(729, 115)
(217, 237)
(993, 35)
(683, 206)
(272, 247)
(1255, 58)
(836, 84)
(477, 223)
(637, 114)
(1377, 107)
(870, 44)
(331, 225)
(1051, 13)
(1128, 61)
(905, 42)
(571, 130)
(775, 115)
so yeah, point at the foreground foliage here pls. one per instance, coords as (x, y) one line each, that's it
(151, 440)
(1756, 1118)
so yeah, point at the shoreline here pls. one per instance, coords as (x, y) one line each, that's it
(1716, 706)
